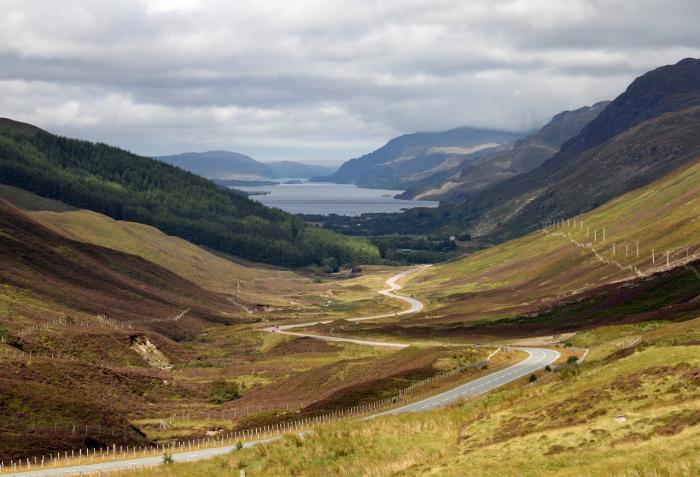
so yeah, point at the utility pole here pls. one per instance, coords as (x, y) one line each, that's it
(653, 257)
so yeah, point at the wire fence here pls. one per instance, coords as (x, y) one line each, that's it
(100, 320)
(626, 255)
(120, 452)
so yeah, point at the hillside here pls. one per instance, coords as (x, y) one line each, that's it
(93, 279)
(125, 186)
(227, 165)
(635, 413)
(405, 161)
(62, 285)
(646, 132)
(525, 155)
(526, 274)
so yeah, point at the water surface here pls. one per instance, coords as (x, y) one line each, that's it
(328, 198)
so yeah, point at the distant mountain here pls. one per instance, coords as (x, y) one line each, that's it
(499, 165)
(405, 161)
(232, 165)
(298, 169)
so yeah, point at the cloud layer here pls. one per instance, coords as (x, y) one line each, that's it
(321, 79)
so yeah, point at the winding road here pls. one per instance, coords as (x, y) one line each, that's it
(537, 359)
(393, 285)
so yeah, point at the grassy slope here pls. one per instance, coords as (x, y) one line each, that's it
(258, 284)
(530, 272)
(622, 308)
(565, 426)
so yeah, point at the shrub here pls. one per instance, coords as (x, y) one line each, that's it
(533, 378)
(330, 265)
(571, 360)
(168, 459)
(222, 391)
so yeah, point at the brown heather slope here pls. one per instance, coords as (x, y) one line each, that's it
(96, 280)
(46, 402)
(57, 405)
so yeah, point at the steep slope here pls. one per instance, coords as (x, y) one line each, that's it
(644, 133)
(406, 160)
(52, 293)
(232, 165)
(130, 187)
(525, 155)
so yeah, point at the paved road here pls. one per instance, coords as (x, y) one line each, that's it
(537, 359)
(393, 286)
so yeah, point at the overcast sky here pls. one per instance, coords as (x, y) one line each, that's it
(322, 80)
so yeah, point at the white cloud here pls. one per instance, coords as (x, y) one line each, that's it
(321, 78)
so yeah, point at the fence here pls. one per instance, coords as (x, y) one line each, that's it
(654, 260)
(102, 319)
(84, 456)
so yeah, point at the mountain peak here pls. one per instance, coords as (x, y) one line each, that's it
(662, 90)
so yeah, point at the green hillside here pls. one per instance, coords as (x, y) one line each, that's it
(125, 186)
(528, 273)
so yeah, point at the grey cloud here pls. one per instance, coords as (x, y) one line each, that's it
(322, 79)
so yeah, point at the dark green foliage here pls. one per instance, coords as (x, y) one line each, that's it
(330, 265)
(222, 391)
(125, 186)
(532, 378)
(415, 249)
(571, 360)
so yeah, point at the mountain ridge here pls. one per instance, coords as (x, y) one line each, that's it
(405, 160)
(227, 165)
(517, 205)
(499, 165)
